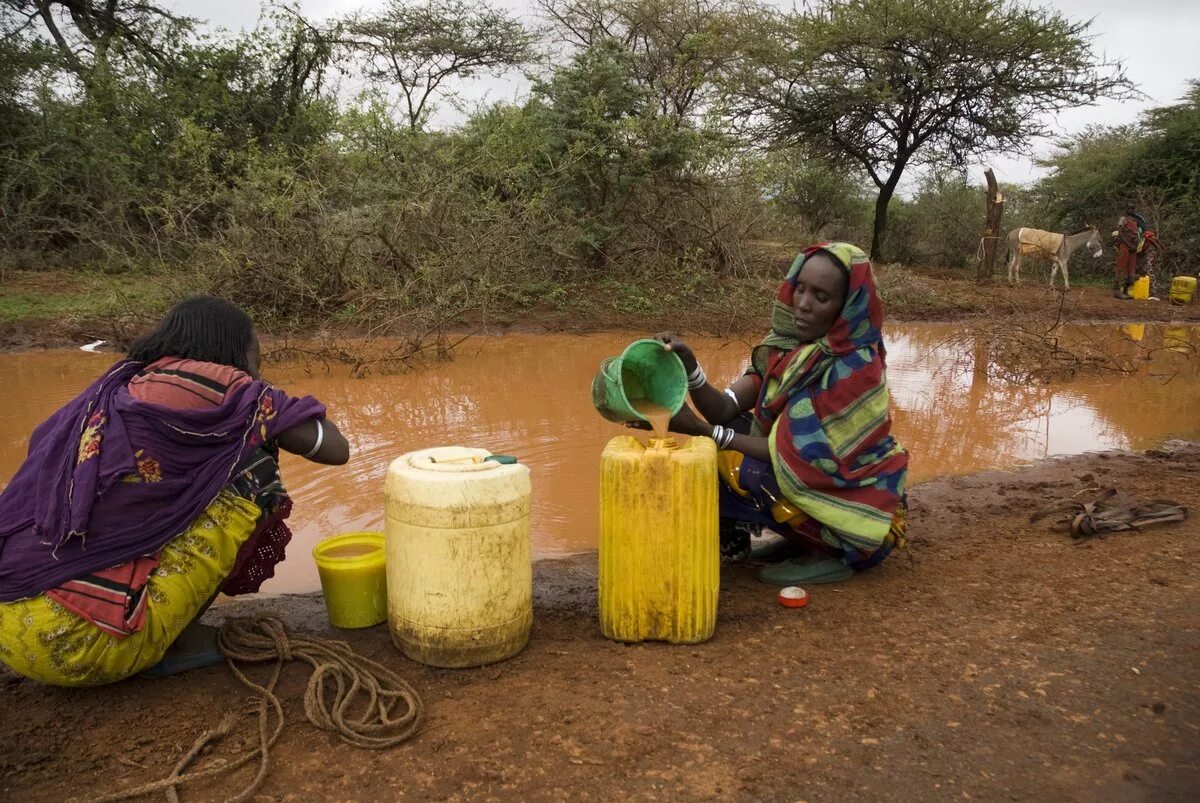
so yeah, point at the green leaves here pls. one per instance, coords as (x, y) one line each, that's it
(421, 48)
(886, 84)
(1154, 164)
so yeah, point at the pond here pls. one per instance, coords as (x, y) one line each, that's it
(528, 395)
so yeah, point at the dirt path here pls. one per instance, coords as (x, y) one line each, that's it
(60, 309)
(946, 295)
(1002, 663)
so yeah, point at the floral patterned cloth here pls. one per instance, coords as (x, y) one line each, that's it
(110, 478)
(114, 599)
(45, 641)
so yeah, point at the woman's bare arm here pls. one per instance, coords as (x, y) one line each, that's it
(331, 446)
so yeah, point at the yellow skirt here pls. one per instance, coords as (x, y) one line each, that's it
(44, 641)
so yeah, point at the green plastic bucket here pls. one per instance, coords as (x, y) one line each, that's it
(645, 370)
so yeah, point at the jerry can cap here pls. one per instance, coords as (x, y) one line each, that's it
(793, 597)
(457, 459)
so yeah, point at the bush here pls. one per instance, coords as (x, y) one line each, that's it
(940, 226)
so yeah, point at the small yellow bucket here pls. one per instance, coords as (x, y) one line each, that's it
(353, 579)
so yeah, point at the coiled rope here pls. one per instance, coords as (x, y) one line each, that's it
(341, 683)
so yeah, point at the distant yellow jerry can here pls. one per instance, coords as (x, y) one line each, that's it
(1140, 290)
(1177, 339)
(659, 545)
(729, 467)
(1183, 289)
(1135, 331)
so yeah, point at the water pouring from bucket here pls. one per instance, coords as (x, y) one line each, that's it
(645, 383)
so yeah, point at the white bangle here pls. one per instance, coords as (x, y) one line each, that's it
(696, 379)
(320, 439)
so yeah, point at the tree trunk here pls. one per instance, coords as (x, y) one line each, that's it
(991, 229)
(881, 211)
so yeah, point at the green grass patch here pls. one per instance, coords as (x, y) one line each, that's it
(73, 297)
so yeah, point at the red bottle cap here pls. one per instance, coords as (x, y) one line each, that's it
(793, 597)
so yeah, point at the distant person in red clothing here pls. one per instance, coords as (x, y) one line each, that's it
(1151, 251)
(1129, 238)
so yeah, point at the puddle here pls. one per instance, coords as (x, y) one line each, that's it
(528, 395)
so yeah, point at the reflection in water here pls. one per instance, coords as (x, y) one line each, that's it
(528, 395)
(955, 420)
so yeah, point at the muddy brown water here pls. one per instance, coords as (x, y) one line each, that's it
(528, 395)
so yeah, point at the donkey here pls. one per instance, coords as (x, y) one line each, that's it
(1049, 245)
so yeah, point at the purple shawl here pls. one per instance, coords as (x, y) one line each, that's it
(109, 478)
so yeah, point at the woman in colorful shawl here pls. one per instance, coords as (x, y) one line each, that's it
(147, 495)
(817, 461)
(1150, 251)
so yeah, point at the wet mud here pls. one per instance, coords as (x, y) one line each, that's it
(1001, 661)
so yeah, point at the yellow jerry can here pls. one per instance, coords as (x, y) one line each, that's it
(659, 545)
(1177, 338)
(459, 563)
(1183, 289)
(1134, 331)
(1140, 290)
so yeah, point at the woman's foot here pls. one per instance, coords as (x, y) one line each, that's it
(735, 540)
(810, 570)
(196, 647)
(775, 550)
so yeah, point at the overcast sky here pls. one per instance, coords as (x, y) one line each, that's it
(1157, 40)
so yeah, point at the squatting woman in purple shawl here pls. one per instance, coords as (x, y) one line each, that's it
(147, 495)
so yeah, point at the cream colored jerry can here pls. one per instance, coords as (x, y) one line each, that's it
(660, 549)
(459, 568)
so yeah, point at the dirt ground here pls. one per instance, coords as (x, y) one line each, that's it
(945, 295)
(910, 294)
(1002, 662)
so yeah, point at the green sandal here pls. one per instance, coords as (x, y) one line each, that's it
(805, 572)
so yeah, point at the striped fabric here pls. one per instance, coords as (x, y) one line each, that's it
(114, 599)
(186, 384)
(825, 407)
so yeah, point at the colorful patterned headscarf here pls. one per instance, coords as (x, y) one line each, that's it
(825, 407)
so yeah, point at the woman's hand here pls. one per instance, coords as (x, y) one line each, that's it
(684, 422)
(676, 345)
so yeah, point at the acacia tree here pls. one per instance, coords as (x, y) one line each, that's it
(420, 47)
(677, 48)
(884, 85)
(598, 135)
(88, 38)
